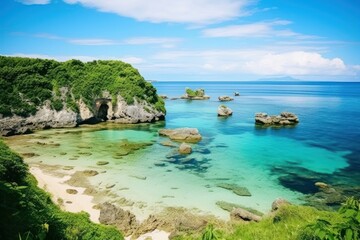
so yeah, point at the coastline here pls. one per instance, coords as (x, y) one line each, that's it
(57, 187)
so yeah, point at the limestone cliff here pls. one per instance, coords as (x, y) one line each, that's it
(41, 94)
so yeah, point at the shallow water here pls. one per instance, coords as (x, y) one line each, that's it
(269, 162)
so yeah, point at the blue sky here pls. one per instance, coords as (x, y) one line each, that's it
(188, 40)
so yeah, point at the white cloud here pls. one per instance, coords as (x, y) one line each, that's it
(92, 42)
(258, 29)
(181, 11)
(164, 42)
(260, 62)
(296, 63)
(33, 2)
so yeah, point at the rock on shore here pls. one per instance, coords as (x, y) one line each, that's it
(182, 134)
(285, 118)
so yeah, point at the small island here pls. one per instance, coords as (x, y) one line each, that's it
(198, 94)
(285, 118)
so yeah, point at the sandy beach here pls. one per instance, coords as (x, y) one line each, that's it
(57, 187)
(78, 202)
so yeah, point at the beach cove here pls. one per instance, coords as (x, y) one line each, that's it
(147, 178)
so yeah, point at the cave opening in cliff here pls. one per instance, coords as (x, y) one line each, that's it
(103, 112)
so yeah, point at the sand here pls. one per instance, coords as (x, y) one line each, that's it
(69, 202)
(78, 202)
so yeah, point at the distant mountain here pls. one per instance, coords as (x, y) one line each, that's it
(280, 79)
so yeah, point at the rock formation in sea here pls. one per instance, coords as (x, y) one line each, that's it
(181, 134)
(285, 118)
(224, 111)
(198, 94)
(236, 94)
(225, 98)
(42, 94)
(185, 148)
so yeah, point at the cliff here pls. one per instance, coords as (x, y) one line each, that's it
(40, 94)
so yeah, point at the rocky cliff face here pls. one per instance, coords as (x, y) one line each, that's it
(102, 109)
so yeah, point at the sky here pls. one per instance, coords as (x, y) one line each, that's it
(192, 40)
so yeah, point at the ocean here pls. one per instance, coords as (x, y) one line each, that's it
(270, 162)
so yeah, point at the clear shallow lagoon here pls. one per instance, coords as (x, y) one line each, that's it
(270, 162)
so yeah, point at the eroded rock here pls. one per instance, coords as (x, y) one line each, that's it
(285, 118)
(224, 111)
(182, 134)
(185, 148)
(225, 98)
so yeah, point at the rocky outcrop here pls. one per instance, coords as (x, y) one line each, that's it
(278, 203)
(224, 111)
(43, 119)
(285, 118)
(182, 134)
(163, 96)
(102, 109)
(198, 94)
(240, 214)
(225, 98)
(123, 220)
(185, 148)
(236, 94)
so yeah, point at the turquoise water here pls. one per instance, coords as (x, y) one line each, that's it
(269, 162)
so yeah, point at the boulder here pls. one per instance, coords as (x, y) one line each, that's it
(240, 214)
(185, 148)
(285, 118)
(182, 134)
(224, 111)
(225, 98)
(236, 94)
(278, 203)
(123, 220)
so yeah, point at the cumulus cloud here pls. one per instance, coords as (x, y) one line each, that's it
(184, 11)
(258, 29)
(260, 62)
(296, 63)
(34, 2)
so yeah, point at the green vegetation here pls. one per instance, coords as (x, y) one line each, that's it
(347, 229)
(196, 93)
(291, 223)
(26, 83)
(27, 212)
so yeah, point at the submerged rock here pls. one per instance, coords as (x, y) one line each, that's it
(100, 163)
(224, 111)
(225, 98)
(241, 191)
(90, 173)
(185, 148)
(236, 94)
(285, 118)
(182, 134)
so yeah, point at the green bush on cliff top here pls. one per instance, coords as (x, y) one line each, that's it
(27, 212)
(26, 83)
